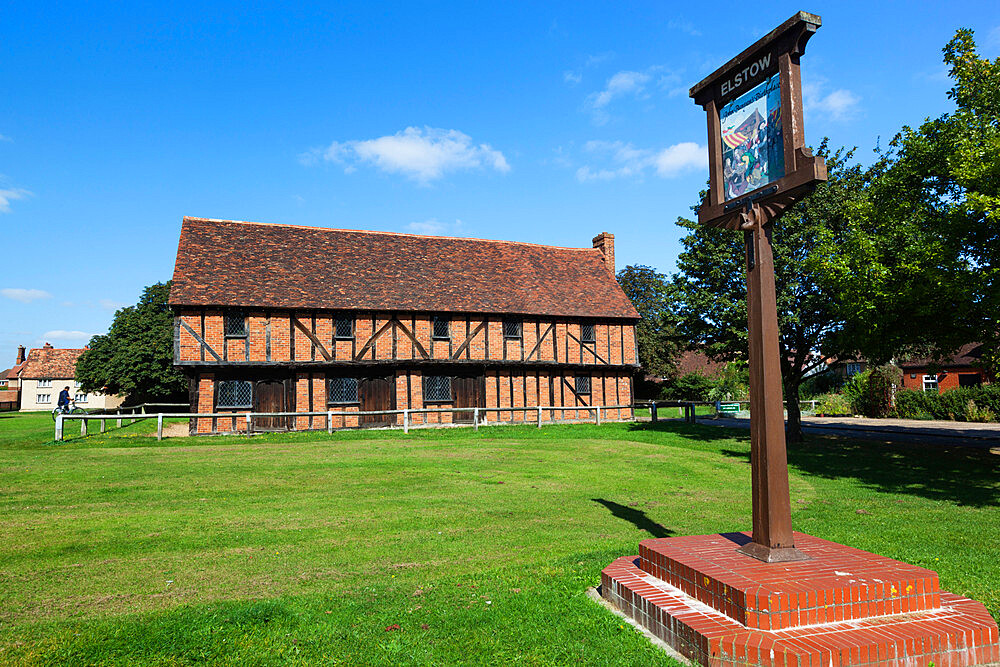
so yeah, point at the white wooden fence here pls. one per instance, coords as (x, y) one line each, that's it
(596, 411)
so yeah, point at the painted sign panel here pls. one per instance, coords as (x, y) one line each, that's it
(753, 152)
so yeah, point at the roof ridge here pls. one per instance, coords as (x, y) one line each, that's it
(373, 231)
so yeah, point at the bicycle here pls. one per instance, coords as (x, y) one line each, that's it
(71, 409)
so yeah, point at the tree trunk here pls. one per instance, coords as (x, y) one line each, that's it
(793, 427)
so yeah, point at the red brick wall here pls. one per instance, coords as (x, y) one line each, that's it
(947, 380)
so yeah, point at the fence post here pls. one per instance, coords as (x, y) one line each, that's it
(652, 411)
(249, 429)
(598, 415)
(103, 424)
(119, 420)
(329, 423)
(475, 419)
(406, 421)
(159, 426)
(83, 426)
(59, 428)
(539, 416)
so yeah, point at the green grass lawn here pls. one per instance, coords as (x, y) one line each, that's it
(441, 546)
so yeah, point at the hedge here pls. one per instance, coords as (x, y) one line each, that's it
(951, 405)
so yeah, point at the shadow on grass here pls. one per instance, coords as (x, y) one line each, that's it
(636, 517)
(699, 432)
(958, 474)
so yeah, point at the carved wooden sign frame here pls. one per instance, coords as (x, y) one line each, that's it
(756, 146)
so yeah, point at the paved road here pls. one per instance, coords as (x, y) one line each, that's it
(890, 430)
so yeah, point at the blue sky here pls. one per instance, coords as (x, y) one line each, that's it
(539, 122)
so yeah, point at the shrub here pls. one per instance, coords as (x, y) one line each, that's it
(732, 384)
(833, 405)
(954, 404)
(689, 387)
(976, 414)
(870, 393)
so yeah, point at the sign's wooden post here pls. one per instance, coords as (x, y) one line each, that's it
(759, 166)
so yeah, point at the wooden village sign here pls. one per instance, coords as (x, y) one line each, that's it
(775, 597)
(759, 166)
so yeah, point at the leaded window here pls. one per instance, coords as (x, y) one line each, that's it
(511, 328)
(235, 324)
(343, 327)
(437, 388)
(343, 390)
(441, 327)
(583, 384)
(587, 333)
(235, 394)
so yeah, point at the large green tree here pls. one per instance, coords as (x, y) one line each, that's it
(655, 335)
(938, 186)
(135, 357)
(810, 243)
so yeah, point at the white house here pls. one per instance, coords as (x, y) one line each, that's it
(47, 371)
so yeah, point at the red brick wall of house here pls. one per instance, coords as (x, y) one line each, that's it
(947, 380)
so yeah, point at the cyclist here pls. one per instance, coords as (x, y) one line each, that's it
(64, 400)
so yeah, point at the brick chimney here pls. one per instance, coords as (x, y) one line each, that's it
(606, 244)
(20, 355)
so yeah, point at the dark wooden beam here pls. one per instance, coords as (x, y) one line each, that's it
(539, 343)
(201, 341)
(312, 337)
(413, 339)
(468, 340)
(371, 341)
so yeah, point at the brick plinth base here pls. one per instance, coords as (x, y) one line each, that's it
(844, 606)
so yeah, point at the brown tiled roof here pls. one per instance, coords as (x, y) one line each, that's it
(50, 363)
(693, 361)
(969, 354)
(227, 263)
(11, 374)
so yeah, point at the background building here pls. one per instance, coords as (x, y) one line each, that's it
(299, 319)
(47, 371)
(959, 370)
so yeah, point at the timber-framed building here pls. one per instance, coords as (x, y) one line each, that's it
(281, 318)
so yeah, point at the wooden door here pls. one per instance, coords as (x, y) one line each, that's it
(468, 392)
(377, 393)
(270, 397)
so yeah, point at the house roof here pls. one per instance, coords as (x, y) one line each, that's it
(969, 354)
(249, 264)
(12, 373)
(693, 361)
(51, 363)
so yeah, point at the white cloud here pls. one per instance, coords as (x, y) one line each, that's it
(622, 83)
(24, 295)
(572, 78)
(61, 334)
(677, 158)
(623, 160)
(421, 154)
(10, 194)
(839, 105)
(434, 227)
(684, 26)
